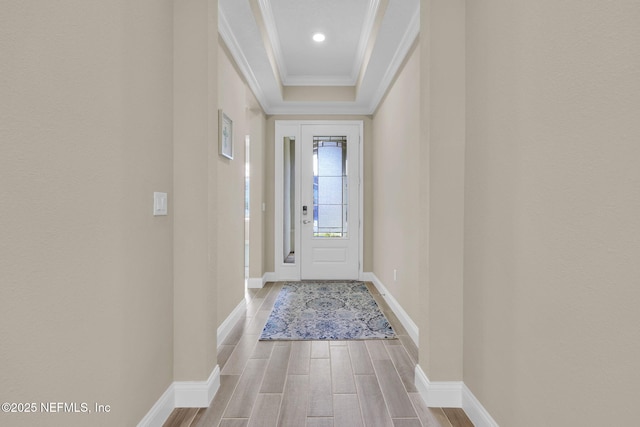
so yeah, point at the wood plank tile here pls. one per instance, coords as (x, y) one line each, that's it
(236, 332)
(395, 395)
(406, 422)
(224, 352)
(198, 417)
(263, 291)
(457, 417)
(300, 357)
(276, 374)
(391, 316)
(271, 297)
(234, 422)
(257, 322)
(319, 422)
(372, 288)
(238, 359)
(257, 301)
(320, 396)
(371, 377)
(293, 411)
(181, 417)
(346, 411)
(319, 349)
(251, 293)
(360, 360)
(377, 350)
(254, 306)
(213, 414)
(430, 417)
(265, 410)
(246, 391)
(410, 346)
(374, 409)
(405, 367)
(341, 371)
(262, 350)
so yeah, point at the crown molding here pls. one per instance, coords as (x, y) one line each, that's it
(367, 28)
(226, 33)
(272, 32)
(319, 108)
(319, 81)
(409, 37)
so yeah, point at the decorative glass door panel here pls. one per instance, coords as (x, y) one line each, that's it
(330, 187)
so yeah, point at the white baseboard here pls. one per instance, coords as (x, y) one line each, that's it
(259, 282)
(192, 394)
(452, 394)
(227, 326)
(159, 413)
(255, 282)
(197, 394)
(478, 415)
(182, 394)
(409, 325)
(438, 394)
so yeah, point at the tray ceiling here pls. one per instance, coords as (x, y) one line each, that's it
(349, 73)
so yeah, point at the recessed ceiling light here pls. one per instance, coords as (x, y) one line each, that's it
(318, 37)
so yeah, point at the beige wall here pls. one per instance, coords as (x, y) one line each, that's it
(195, 168)
(238, 103)
(418, 188)
(395, 160)
(86, 270)
(441, 194)
(104, 104)
(257, 122)
(552, 236)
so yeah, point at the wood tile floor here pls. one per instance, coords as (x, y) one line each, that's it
(314, 383)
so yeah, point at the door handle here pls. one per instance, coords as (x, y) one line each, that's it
(306, 221)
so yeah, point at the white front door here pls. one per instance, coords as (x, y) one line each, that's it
(330, 201)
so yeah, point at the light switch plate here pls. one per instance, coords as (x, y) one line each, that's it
(159, 204)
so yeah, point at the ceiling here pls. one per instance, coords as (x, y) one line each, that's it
(348, 73)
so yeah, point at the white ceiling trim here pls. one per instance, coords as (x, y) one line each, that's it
(274, 38)
(323, 108)
(319, 81)
(288, 80)
(413, 29)
(225, 31)
(367, 28)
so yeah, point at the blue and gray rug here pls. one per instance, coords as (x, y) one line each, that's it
(326, 311)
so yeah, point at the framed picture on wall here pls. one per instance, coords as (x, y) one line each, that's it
(225, 135)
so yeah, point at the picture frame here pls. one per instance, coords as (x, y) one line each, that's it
(225, 135)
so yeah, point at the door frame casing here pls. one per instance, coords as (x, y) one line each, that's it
(292, 128)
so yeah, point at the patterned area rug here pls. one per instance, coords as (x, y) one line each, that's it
(326, 311)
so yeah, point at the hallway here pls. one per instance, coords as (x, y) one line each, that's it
(500, 209)
(315, 383)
